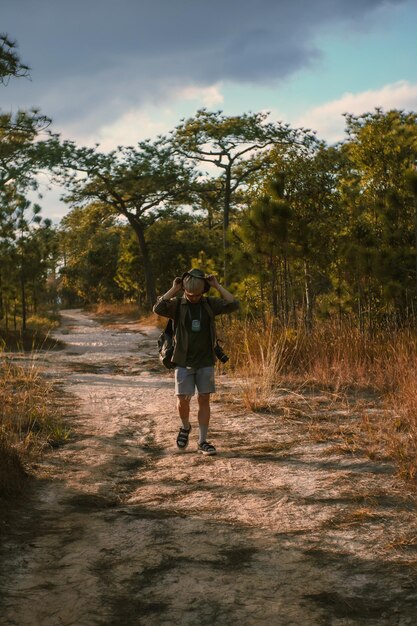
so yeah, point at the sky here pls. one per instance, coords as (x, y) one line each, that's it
(114, 73)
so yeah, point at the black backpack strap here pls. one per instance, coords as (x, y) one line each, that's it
(209, 304)
(172, 324)
(177, 314)
(212, 313)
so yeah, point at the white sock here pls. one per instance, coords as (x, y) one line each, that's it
(202, 430)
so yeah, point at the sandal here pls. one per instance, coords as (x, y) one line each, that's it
(206, 448)
(182, 437)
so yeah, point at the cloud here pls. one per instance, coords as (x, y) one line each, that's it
(141, 122)
(109, 57)
(207, 96)
(131, 127)
(327, 119)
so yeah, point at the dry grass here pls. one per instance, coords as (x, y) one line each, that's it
(367, 383)
(355, 517)
(260, 367)
(125, 312)
(29, 421)
(27, 341)
(405, 547)
(117, 310)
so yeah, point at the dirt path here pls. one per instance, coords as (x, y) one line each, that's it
(123, 530)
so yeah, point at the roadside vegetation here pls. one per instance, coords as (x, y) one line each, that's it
(112, 311)
(36, 335)
(30, 422)
(355, 391)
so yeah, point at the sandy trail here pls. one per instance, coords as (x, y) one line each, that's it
(122, 529)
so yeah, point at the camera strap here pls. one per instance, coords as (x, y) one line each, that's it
(195, 323)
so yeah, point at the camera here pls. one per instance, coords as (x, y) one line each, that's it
(218, 351)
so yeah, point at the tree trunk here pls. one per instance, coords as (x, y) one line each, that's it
(226, 219)
(281, 289)
(6, 315)
(147, 266)
(286, 290)
(339, 296)
(262, 292)
(415, 235)
(1, 299)
(15, 315)
(309, 299)
(34, 307)
(274, 294)
(360, 312)
(23, 296)
(292, 314)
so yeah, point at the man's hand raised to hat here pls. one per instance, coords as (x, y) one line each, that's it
(176, 286)
(172, 292)
(177, 283)
(212, 281)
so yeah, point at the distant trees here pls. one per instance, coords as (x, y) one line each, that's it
(334, 230)
(28, 255)
(27, 243)
(102, 261)
(237, 145)
(379, 242)
(291, 223)
(140, 184)
(89, 243)
(307, 230)
(299, 229)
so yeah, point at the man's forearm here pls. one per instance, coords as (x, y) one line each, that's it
(226, 295)
(171, 293)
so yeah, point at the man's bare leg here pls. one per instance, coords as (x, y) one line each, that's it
(203, 415)
(183, 406)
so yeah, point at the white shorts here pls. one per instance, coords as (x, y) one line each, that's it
(188, 378)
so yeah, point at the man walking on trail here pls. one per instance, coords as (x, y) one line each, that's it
(195, 340)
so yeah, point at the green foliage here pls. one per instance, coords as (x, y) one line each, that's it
(89, 243)
(290, 214)
(378, 191)
(10, 63)
(175, 241)
(240, 147)
(249, 291)
(28, 256)
(141, 184)
(27, 248)
(129, 276)
(103, 261)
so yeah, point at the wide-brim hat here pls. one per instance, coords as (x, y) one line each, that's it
(196, 273)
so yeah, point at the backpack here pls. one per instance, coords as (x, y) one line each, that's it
(166, 340)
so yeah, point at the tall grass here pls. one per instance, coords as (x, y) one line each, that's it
(29, 422)
(111, 311)
(337, 358)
